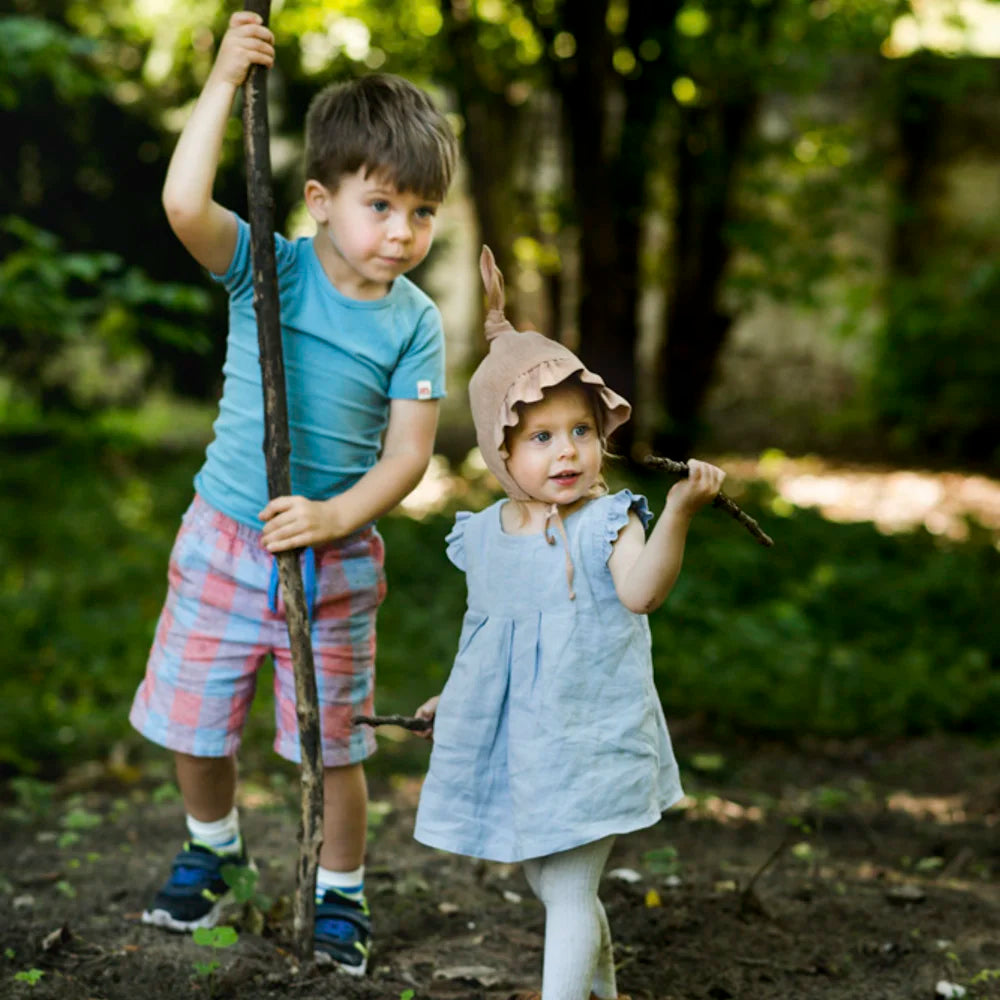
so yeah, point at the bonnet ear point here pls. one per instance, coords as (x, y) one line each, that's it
(487, 267)
(493, 283)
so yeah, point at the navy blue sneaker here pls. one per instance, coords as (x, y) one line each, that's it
(343, 932)
(196, 892)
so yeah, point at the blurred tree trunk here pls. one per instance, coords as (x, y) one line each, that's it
(919, 107)
(488, 140)
(707, 154)
(611, 114)
(609, 119)
(710, 144)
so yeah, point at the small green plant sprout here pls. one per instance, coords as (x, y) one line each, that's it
(801, 824)
(73, 822)
(32, 798)
(984, 976)
(242, 880)
(803, 851)
(707, 763)
(663, 861)
(222, 936)
(407, 995)
(29, 976)
(167, 792)
(832, 799)
(80, 819)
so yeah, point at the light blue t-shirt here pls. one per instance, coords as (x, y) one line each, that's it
(345, 360)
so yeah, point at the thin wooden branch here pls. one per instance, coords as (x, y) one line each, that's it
(405, 721)
(749, 900)
(721, 501)
(277, 451)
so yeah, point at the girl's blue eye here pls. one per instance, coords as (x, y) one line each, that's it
(581, 430)
(542, 436)
(380, 205)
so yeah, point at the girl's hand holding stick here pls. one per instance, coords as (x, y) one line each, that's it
(721, 501)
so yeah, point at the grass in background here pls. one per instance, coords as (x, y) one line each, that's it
(837, 630)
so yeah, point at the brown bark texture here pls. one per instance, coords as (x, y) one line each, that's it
(277, 452)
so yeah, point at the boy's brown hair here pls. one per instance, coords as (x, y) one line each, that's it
(384, 124)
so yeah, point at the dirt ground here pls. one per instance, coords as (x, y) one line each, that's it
(834, 871)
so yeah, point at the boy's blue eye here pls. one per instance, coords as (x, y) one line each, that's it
(381, 205)
(426, 212)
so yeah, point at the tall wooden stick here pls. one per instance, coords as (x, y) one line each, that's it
(277, 452)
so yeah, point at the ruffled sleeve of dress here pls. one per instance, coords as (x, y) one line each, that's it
(615, 517)
(455, 540)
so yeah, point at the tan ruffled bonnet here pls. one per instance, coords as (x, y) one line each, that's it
(520, 365)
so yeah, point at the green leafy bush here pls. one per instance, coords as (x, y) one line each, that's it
(836, 630)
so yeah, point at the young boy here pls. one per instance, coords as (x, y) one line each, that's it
(364, 360)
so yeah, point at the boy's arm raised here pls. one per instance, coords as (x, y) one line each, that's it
(206, 228)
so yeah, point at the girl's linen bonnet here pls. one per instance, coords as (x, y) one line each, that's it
(518, 367)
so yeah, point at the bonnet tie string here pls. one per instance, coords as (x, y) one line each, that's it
(552, 514)
(308, 582)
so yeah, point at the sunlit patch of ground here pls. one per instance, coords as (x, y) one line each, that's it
(720, 809)
(892, 499)
(944, 809)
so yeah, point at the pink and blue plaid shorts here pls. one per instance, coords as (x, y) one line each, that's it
(216, 629)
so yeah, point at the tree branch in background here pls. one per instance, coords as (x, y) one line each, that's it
(721, 501)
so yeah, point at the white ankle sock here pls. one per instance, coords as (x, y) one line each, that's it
(221, 835)
(350, 884)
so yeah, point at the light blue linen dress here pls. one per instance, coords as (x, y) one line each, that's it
(549, 733)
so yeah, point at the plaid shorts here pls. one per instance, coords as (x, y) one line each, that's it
(216, 629)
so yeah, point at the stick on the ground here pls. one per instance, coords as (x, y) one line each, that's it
(405, 721)
(277, 450)
(721, 501)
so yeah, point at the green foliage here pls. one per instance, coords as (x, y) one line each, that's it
(222, 936)
(96, 94)
(75, 325)
(83, 559)
(32, 49)
(936, 377)
(663, 860)
(32, 799)
(837, 630)
(29, 976)
(215, 938)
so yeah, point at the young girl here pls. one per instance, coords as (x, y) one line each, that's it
(549, 737)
